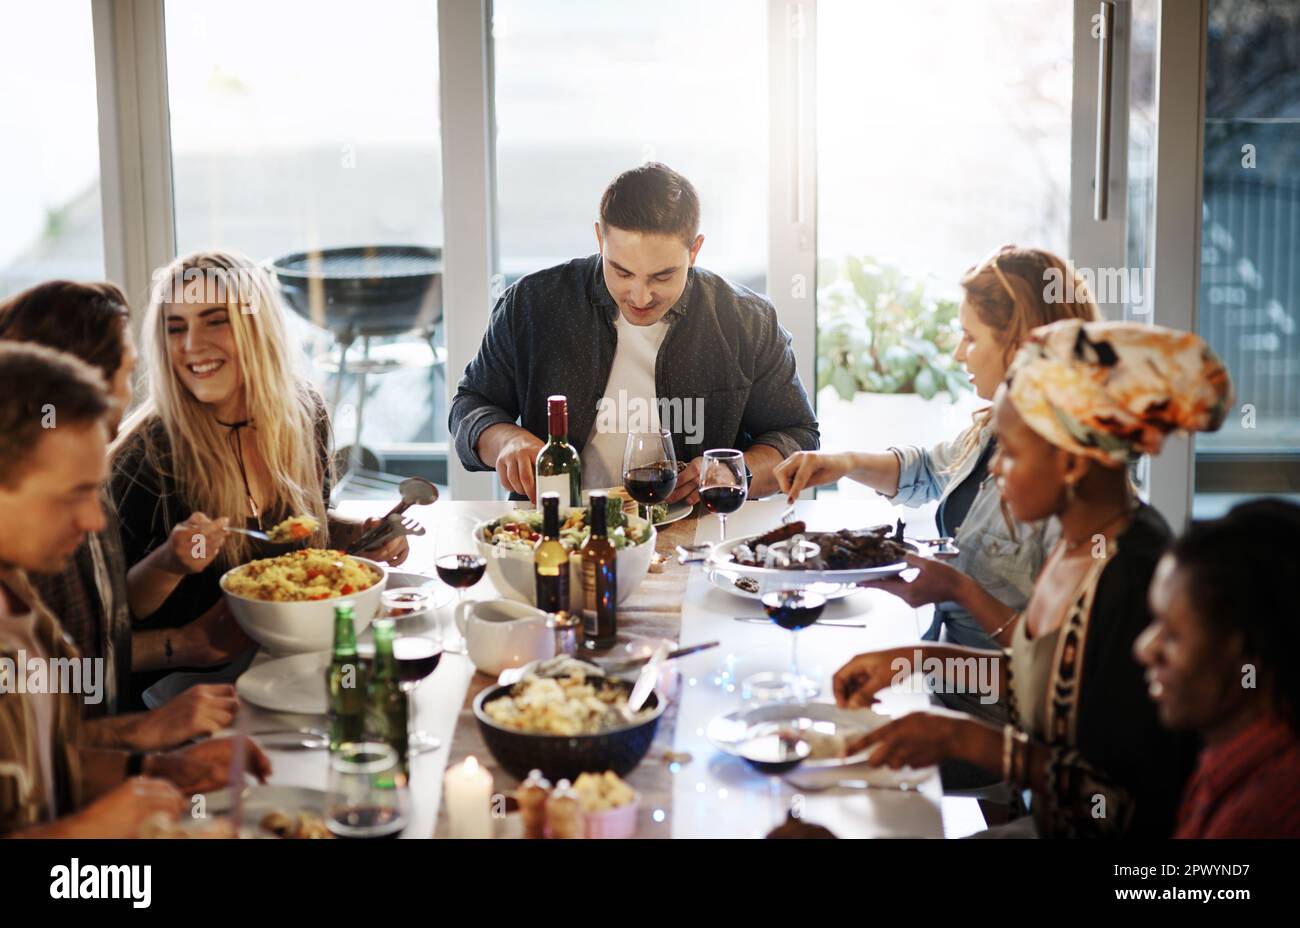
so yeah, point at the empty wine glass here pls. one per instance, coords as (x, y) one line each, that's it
(723, 484)
(649, 468)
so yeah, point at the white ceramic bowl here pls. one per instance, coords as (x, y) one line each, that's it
(293, 628)
(511, 570)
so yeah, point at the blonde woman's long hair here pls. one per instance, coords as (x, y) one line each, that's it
(285, 412)
(1009, 292)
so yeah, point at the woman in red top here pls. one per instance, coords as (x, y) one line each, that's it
(1220, 660)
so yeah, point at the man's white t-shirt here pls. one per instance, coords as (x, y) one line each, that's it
(628, 405)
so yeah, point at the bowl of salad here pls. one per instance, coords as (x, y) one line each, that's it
(506, 543)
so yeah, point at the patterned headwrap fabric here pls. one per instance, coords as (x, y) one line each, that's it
(1113, 390)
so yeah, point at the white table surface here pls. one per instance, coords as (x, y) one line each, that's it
(714, 795)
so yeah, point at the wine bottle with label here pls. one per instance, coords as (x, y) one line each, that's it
(550, 560)
(599, 581)
(559, 469)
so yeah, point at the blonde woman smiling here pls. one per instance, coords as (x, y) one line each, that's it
(231, 431)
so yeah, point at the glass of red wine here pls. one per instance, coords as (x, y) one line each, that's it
(792, 610)
(367, 793)
(460, 566)
(774, 751)
(417, 657)
(649, 468)
(723, 485)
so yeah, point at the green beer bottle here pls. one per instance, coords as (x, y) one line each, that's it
(345, 682)
(386, 704)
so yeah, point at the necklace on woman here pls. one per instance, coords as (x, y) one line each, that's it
(1072, 546)
(237, 445)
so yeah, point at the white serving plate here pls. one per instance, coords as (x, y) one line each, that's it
(720, 558)
(725, 580)
(727, 732)
(289, 684)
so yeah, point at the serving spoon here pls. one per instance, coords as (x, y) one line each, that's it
(416, 491)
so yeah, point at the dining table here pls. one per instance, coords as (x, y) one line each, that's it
(687, 787)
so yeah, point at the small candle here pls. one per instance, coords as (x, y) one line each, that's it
(467, 791)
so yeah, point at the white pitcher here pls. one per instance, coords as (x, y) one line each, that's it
(501, 633)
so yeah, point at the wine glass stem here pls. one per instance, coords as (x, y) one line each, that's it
(794, 654)
(453, 631)
(722, 527)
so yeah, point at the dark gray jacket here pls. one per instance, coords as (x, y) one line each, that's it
(553, 332)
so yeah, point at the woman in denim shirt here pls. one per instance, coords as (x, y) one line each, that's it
(1011, 292)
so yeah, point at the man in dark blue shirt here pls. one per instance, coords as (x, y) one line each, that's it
(637, 337)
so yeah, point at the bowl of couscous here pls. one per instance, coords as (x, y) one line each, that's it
(286, 603)
(566, 724)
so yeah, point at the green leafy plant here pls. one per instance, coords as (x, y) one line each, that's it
(879, 332)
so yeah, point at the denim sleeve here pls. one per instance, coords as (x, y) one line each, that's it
(922, 475)
(486, 394)
(778, 412)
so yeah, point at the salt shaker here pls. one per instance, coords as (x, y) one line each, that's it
(532, 795)
(562, 812)
(567, 630)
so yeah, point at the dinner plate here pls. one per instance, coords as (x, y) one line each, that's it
(676, 512)
(727, 732)
(725, 580)
(263, 799)
(289, 684)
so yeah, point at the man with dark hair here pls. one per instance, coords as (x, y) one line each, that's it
(638, 338)
(90, 321)
(53, 464)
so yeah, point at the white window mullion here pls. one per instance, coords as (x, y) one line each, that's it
(134, 142)
(1180, 105)
(792, 202)
(468, 201)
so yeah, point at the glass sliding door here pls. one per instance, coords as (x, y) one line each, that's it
(1249, 306)
(51, 221)
(586, 89)
(299, 126)
(943, 132)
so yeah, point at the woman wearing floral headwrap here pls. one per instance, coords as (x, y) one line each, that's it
(1082, 401)
(1004, 298)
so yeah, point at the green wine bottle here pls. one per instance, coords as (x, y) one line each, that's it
(550, 560)
(386, 705)
(345, 682)
(559, 469)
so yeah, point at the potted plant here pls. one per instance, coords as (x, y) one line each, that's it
(880, 333)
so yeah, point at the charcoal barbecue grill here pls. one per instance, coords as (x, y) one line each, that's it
(365, 292)
(368, 290)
